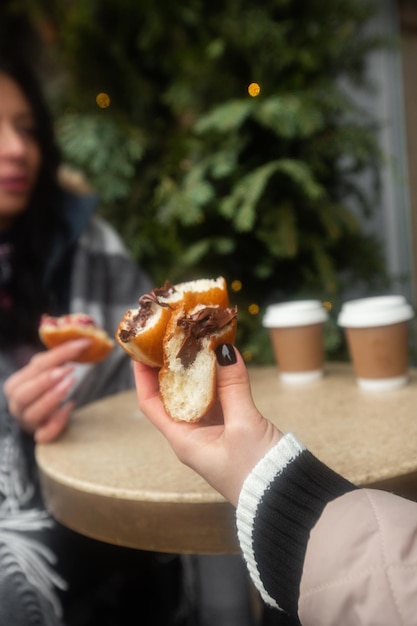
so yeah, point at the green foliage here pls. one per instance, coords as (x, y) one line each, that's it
(200, 178)
(108, 151)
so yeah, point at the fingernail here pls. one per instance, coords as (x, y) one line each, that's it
(226, 354)
(61, 371)
(65, 384)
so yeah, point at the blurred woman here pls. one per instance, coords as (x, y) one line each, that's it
(55, 257)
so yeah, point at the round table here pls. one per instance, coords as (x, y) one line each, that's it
(113, 477)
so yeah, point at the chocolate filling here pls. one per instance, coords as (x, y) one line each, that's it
(157, 293)
(196, 326)
(145, 310)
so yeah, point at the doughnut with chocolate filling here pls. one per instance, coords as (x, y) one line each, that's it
(141, 331)
(177, 328)
(187, 380)
(55, 330)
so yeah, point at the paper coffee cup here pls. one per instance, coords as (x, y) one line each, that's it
(377, 335)
(296, 332)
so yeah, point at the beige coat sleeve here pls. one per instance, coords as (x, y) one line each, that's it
(360, 567)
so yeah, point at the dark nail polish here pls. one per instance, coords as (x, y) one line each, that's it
(226, 354)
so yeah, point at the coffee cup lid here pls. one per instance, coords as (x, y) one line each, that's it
(375, 311)
(295, 313)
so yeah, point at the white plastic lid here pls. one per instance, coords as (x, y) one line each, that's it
(375, 311)
(296, 313)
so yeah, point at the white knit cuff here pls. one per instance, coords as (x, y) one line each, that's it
(258, 481)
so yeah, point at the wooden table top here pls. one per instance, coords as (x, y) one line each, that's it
(113, 477)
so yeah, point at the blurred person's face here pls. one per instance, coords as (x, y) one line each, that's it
(20, 155)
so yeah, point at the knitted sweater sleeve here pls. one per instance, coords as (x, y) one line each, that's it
(280, 502)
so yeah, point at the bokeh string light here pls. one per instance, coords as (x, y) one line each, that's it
(254, 90)
(103, 100)
(253, 309)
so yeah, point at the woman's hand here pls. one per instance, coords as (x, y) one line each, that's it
(227, 443)
(37, 393)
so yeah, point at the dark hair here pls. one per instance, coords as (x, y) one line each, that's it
(34, 229)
